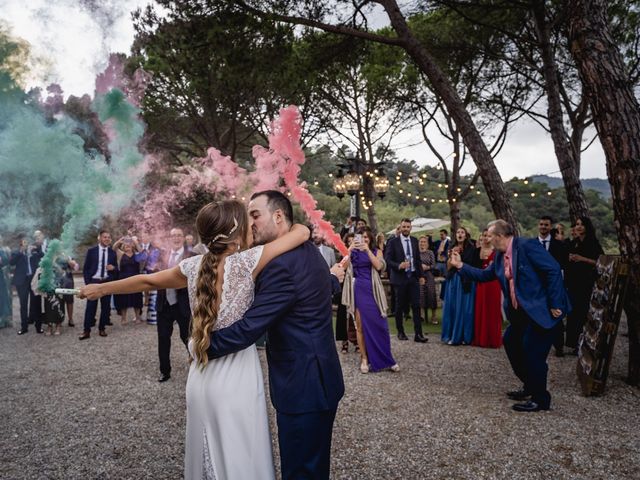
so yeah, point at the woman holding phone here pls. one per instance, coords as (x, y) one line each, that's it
(364, 296)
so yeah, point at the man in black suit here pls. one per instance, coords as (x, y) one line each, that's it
(100, 265)
(172, 304)
(403, 260)
(560, 253)
(25, 260)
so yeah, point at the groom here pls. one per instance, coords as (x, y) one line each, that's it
(292, 304)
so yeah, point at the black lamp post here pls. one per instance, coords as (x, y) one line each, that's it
(351, 182)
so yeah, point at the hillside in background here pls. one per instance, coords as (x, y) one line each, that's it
(600, 185)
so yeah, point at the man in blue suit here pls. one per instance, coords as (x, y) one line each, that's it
(24, 260)
(534, 300)
(100, 265)
(292, 304)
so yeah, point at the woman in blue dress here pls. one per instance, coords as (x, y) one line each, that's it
(128, 267)
(364, 296)
(459, 297)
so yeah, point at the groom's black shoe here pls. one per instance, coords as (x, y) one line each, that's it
(529, 406)
(420, 339)
(519, 395)
(402, 336)
(164, 377)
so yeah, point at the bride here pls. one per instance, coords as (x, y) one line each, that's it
(227, 426)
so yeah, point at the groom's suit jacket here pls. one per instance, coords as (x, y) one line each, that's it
(292, 304)
(537, 277)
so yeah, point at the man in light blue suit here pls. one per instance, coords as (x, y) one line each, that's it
(292, 304)
(535, 301)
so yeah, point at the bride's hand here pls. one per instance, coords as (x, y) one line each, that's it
(91, 291)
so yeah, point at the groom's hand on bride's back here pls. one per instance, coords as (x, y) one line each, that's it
(338, 271)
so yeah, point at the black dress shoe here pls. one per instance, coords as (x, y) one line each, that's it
(109, 324)
(102, 333)
(84, 336)
(529, 406)
(402, 336)
(40, 330)
(164, 377)
(22, 332)
(420, 339)
(518, 395)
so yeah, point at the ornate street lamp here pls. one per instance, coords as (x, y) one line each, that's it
(381, 184)
(352, 182)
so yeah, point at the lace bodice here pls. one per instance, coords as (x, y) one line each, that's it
(237, 284)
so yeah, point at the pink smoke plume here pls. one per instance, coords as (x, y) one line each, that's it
(284, 142)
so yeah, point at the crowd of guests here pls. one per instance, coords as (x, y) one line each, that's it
(416, 268)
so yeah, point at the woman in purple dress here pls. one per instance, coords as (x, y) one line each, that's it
(364, 295)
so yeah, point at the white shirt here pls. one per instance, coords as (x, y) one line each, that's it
(546, 239)
(172, 261)
(407, 250)
(98, 274)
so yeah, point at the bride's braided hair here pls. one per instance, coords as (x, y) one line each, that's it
(219, 225)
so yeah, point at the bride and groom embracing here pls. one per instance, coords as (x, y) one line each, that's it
(281, 286)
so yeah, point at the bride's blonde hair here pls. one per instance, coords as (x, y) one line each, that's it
(219, 225)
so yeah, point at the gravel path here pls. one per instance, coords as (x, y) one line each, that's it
(94, 410)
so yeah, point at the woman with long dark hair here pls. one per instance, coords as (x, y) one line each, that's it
(584, 250)
(227, 426)
(459, 297)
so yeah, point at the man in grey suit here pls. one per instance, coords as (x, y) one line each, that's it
(327, 253)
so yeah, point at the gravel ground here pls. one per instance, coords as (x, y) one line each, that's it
(94, 410)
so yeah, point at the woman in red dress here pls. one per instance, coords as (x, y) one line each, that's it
(488, 307)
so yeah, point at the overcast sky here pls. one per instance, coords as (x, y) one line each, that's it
(74, 37)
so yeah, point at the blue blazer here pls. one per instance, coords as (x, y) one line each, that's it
(537, 277)
(292, 304)
(92, 261)
(394, 255)
(21, 274)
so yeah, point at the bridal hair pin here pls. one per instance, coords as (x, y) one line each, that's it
(222, 235)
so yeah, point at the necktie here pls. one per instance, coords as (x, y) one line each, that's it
(172, 260)
(104, 263)
(408, 255)
(508, 273)
(29, 272)
(544, 244)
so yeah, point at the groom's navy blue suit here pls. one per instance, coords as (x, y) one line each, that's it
(539, 287)
(293, 305)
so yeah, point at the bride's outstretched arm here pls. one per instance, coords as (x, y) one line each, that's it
(171, 278)
(290, 240)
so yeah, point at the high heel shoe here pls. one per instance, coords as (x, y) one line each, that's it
(364, 368)
(345, 347)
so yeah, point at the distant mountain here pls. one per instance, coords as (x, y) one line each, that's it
(600, 185)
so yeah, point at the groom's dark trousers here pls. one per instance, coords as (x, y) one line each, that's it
(292, 304)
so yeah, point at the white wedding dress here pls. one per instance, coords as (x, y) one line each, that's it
(227, 426)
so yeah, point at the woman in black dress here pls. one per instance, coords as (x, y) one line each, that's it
(128, 267)
(584, 250)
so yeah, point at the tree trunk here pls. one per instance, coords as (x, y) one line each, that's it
(616, 115)
(568, 164)
(491, 179)
(454, 213)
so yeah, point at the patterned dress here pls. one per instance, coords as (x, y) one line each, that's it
(227, 426)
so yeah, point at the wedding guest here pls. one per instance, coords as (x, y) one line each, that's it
(380, 241)
(487, 325)
(148, 256)
(349, 226)
(172, 304)
(128, 266)
(22, 281)
(345, 325)
(459, 297)
(364, 297)
(428, 298)
(441, 250)
(51, 303)
(5, 286)
(100, 266)
(580, 275)
(558, 232)
(403, 258)
(327, 253)
(35, 253)
(68, 268)
(188, 243)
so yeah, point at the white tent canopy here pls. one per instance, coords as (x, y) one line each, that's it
(422, 224)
